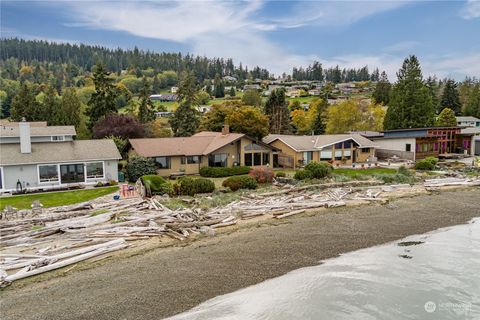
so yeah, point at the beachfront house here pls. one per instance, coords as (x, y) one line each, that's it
(187, 155)
(341, 149)
(34, 156)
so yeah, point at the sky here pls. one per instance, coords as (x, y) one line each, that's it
(277, 35)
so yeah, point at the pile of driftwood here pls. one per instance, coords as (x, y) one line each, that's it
(450, 181)
(33, 242)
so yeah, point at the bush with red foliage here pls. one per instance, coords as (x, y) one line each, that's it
(119, 125)
(262, 175)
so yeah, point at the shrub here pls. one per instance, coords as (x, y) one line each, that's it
(138, 166)
(262, 175)
(240, 182)
(280, 174)
(404, 171)
(428, 163)
(188, 186)
(395, 178)
(217, 172)
(156, 185)
(302, 175)
(319, 170)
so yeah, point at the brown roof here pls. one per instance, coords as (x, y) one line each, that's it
(78, 150)
(202, 143)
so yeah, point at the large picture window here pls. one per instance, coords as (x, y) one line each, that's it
(72, 173)
(217, 160)
(163, 162)
(95, 170)
(48, 173)
(266, 158)
(248, 159)
(190, 160)
(257, 159)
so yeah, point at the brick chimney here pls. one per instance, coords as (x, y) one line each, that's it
(225, 129)
(25, 141)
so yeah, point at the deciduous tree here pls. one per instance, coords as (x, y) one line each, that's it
(118, 125)
(446, 118)
(248, 120)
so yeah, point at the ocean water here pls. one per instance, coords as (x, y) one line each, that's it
(431, 276)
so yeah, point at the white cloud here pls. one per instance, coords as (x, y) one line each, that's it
(471, 10)
(225, 29)
(402, 46)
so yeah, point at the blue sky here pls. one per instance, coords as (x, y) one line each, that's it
(273, 34)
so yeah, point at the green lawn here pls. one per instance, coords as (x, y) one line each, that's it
(303, 99)
(53, 199)
(369, 171)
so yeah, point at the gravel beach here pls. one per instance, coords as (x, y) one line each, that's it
(165, 281)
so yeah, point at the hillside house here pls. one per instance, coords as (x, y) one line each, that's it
(34, 156)
(468, 122)
(212, 149)
(341, 149)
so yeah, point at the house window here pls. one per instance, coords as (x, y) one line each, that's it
(191, 160)
(265, 158)
(58, 138)
(326, 155)
(163, 162)
(72, 173)
(307, 157)
(408, 147)
(257, 159)
(95, 170)
(248, 159)
(48, 173)
(217, 160)
(365, 150)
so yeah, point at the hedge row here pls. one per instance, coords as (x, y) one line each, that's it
(314, 170)
(216, 172)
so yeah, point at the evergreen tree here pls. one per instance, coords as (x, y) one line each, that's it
(319, 124)
(145, 110)
(381, 94)
(434, 89)
(450, 97)
(276, 108)
(102, 100)
(70, 109)
(156, 85)
(410, 103)
(232, 91)
(50, 107)
(472, 106)
(219, 87)
(24, 104)
(186, 119)
(446, 118)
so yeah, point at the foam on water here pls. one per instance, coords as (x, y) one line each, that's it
(438, 278)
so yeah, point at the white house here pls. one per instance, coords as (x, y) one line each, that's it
(468, 122)
(41, 157)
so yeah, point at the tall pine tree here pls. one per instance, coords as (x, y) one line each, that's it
(70, 109)
(434, 89)
(51, 108)
(276, 107)
(145, 110)
(472, 106)
(381, 94)
(102, 100)
(410, 103)
(24, 104)
(186, 119)
(450, 97)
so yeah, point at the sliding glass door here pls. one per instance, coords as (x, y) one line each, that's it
(72, 173)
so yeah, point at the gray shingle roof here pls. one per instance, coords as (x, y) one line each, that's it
(78, 150)
(312, 143)
(38, 131)
(467, 118)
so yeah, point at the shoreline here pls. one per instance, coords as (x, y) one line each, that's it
(163, 282)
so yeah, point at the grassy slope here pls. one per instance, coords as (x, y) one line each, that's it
(53, 199)
(354, 172)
